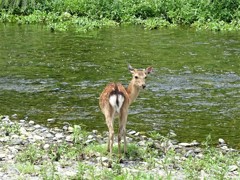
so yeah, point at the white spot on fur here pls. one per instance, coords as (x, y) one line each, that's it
(113, 102)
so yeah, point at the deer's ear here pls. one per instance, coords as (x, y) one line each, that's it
(130, 68)
(149, 70)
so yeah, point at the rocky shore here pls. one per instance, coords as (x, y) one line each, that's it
(32, 151)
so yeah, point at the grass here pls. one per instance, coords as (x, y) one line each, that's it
(85, 15)
(214, 162)
(83, 160)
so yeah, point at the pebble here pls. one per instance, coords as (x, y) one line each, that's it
(221, 141)
(59, 135)
(22, 121)
(31, 122)
(37, 126)
(70, 129)
(132, 132)
(95, 132)
(69, 138)
(232, 168)
(50, 138)
(46, 146)
(51, 120)
(185, 144)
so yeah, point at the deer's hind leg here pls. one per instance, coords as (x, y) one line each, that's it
(122, 132)
(110, 123)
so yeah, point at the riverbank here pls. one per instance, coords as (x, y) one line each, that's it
(32, 151)
(86, 15)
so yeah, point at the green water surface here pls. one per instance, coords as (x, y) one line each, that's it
(194, 89)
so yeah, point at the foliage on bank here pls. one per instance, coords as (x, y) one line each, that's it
(152, 14)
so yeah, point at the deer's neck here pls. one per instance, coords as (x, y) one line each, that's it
(133, 92)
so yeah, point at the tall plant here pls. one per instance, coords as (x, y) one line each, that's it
(22, 6)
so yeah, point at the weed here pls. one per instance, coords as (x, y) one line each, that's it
(31, 153)
(26, 168)
(64, 15)
(12, 128)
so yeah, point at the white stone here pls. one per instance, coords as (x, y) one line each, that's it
(50, 120)
(31, 122)
(22, 121)
(70, 129)
(59, 135)
(90, 137)
(221, 141)
(46, 146)
(37, 138)
(69, 138)
(102, 159)
(232, 168)
(37, 126)
(132, 132)
(94, 131)
(184, 144)
(23, 131)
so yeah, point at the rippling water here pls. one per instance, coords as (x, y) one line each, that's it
(194, 89)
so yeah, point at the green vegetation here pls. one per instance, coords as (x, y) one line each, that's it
(214, 162)
(88, 160)
(83, 15)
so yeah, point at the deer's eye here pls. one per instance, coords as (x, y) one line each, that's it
(136, 77)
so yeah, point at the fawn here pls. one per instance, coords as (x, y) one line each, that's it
(115, 101)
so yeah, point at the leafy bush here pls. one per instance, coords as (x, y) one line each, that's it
(151, 13)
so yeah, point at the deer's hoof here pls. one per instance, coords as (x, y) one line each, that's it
(121, 161)
(109, 164)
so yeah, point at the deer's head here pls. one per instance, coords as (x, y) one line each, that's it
(139, 76)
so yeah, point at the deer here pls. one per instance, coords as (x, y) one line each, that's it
(115, 101)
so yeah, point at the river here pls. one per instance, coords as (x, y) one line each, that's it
(193, 90)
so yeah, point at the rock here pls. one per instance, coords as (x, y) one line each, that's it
(2, 156)
(143, 137)
(142, 143)
(132, 132)
(89, 141)
(23, 131)
(31, 122)
(59, 135)
(51, 120)
(185, 144)
(221, 141)
(102, 159)
(16, 141)
(22, 121)
(232, 168)
(14, 116)
(5, 118)
(69, 138)
(49, 135)
(199, 156)
(224, 148)
(194, 143)
(65, 128)
(95, 132)
(37, 126)
(137, 134)
(70, 129)
(197, 150)
(46, 146)
(190, 153)
(90, 137)
(37, 137)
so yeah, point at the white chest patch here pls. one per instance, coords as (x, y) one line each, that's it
(116, 101)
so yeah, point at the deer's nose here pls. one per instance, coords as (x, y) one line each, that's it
(143, 86)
